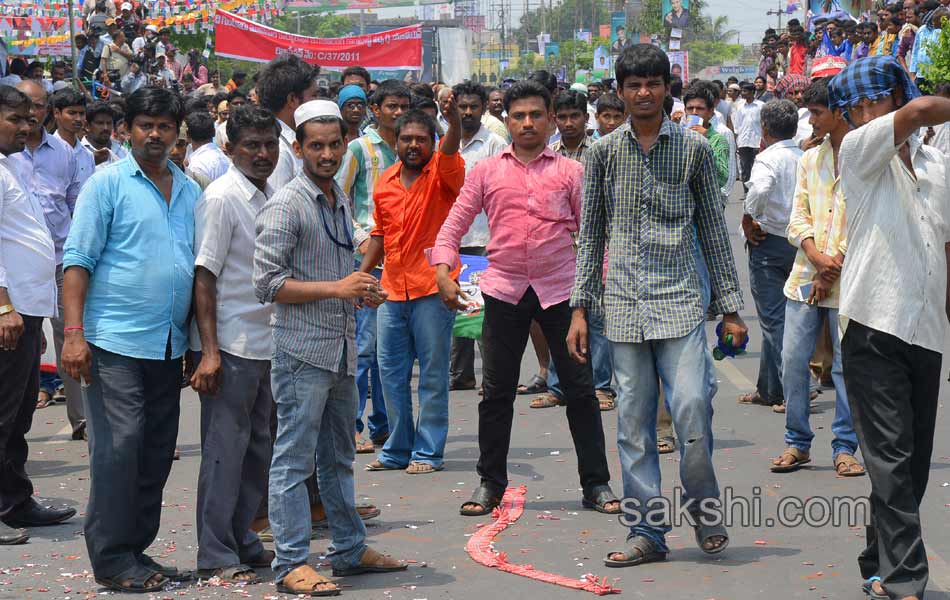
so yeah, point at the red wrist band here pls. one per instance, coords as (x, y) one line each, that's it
(73, 328)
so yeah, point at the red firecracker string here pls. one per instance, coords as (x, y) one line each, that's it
(510, 510)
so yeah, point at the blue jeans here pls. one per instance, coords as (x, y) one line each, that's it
(683, 366)
(315, 413)
(770, 264)
(367, 375)
(601, 359)
(420, 328)
(803, 323)
(49, 382)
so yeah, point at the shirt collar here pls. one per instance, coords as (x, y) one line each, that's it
(666, 129)
(178, 177)
(481, 135)
(317, 194)
(247, 189)
(287, 133)
(546, 153)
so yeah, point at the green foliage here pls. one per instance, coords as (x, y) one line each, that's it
(939, 52)
(704, 54)
(562, 19)
(315, 25)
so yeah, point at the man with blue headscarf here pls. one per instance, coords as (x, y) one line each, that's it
(893, 305)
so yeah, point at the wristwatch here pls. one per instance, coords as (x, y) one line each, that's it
(6, 309)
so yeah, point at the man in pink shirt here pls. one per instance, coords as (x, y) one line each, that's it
(532, 196)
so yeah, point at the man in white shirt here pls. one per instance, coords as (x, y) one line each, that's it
(100, 125)
(47, 170)
(69, 111)
(282, 85)
(768, 205)
(150, 37)
(477, 143)
(233, 377)
(792, 87)
(893, 305)
(27, 295)
(748, 128)
(206, 159)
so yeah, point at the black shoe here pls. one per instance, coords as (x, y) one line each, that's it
(80, 433)
(455, 386)
(31, 514)
(10, 537)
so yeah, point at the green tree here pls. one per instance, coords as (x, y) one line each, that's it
(939, 70)
(315, 25)
(563, 19)
(704, 54)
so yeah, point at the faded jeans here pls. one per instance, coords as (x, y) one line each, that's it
(803, 325)
(316, 409)
(770, 264)
(684, 367)
(420, 328)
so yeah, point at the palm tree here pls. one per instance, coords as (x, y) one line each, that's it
(716, 30)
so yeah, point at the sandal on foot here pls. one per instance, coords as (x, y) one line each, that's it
(754, 398)
(598, 499)
(134, 581)
(537, 386)
(44, 400)
(799, 458)
(546, 401)
(378, 465)
(230, 574)
(484, 499)
(606, 400)
(704, 533)
(365, 511)
(304, 581)
(848, 466)
(364, 446)
(638, 551)
(372, 562)
(170, 573)
(421, 468)
(868, 586)
(666, 445)
(262, 561)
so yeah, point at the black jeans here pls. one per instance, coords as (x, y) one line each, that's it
(132, 407)
(892, 389)
(19, 388)
(505, 334)
(746, 160)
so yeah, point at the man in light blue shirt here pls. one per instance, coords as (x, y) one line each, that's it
(129, 264)
(47, 170)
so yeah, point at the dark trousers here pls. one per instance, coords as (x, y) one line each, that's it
(770, 264)
(132, 408)
(505, 334)
(746, 160)
(462, 365)
(19, 388)
(892, 389)
(235, 458)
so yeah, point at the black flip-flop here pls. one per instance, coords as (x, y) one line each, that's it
(598, 498)
(482, 497)
(135, 580)
(537, 386)
(170, 573)
(643, 547)
(705, 532)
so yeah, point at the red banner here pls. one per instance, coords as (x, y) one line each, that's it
(239, 38)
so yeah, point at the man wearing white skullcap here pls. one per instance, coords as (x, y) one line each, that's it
(303, 262)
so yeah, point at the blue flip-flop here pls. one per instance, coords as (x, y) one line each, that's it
(868, 588)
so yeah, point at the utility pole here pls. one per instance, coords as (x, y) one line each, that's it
(296, 15)
(72, 39)
(778, 12)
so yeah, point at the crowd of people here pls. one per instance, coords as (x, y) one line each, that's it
(291, 251)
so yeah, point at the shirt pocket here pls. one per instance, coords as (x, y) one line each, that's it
(550, 205)
(673, 201)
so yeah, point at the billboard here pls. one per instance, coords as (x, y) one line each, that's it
(676, 14)
(335, 5)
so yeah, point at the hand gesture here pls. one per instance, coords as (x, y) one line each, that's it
(450, 111)
(732, 324)
(829, 267)
(356, 285)
(11, 328)
(577, 340)
(754, 234)
(207, 377)
(699, 129)
(819, 290)
(76, 357)
(451, 293)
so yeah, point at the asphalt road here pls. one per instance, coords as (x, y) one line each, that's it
(420, 519)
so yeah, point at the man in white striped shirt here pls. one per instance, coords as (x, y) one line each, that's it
(206, 159)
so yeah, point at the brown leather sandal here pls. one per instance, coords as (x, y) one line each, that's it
(799, 458)
(545, 401)
(846, 465)
(305, 581)
(372, 562)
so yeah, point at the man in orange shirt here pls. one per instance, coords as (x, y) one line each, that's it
(412, 199)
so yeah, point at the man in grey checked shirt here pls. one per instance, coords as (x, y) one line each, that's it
(650, 195)
(303, 262)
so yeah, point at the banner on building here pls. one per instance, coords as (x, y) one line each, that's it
(239, 38)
